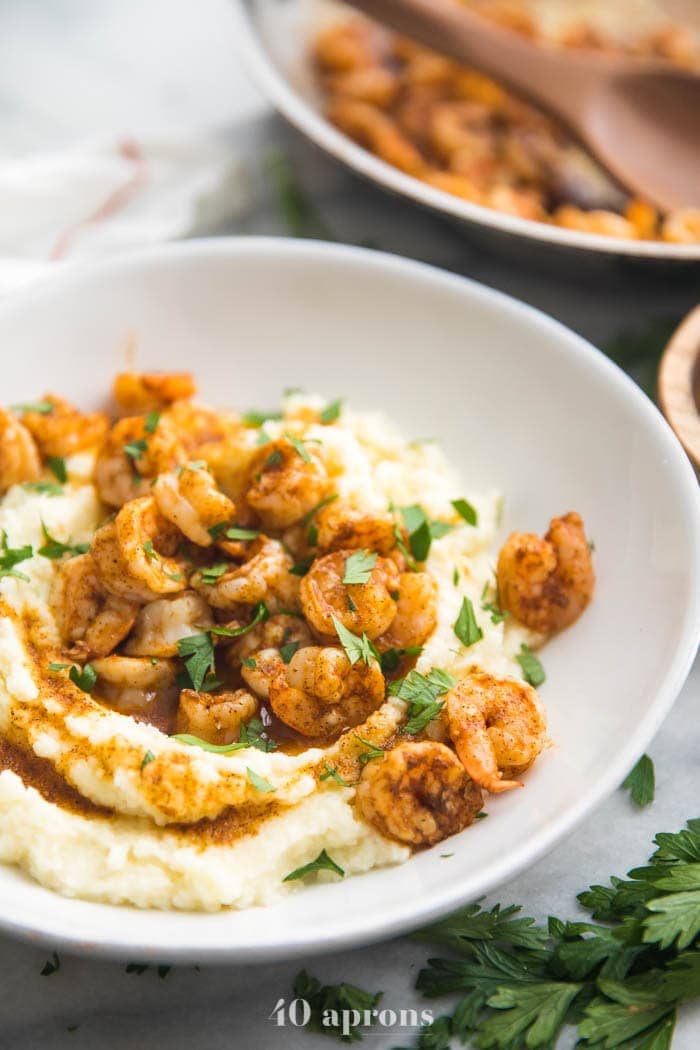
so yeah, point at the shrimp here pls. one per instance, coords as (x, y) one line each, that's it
(377, 132)
(340, 526)
(259, 671)
(215, 717)
(419, 793)
(364, 608)
(137, 392)
(161, 624)
(287, 480)
(192, 501)
(87, 615)
(275, 632)
(374, 84)
(133, 553)
(198, 426)
(343, 48)
(65, 430)
(547, 583)
(132, 454)
(319, 693)
(682, 226)
(131, 684)
(264, 576)
(600, 221)
(19, 456)
(416, 612)
(498, 728)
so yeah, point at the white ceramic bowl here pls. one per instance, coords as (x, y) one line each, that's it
(520, 403)
(273, 38)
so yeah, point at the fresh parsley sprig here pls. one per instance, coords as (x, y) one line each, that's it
(356, 648)
(12, 556)
(422, 692)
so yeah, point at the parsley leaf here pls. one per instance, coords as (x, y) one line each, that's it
(258, 782)
(253, 735)
(253, 418)
(298, 447)
(55, 549)
(465, 627)
(237, 533)
(260, 614)
(135, 449)
(43, 408)
(533, 671)
(197, 651)
(322, 863)
(371, 750)
(332, 411)
(391, 659)
(84, 677)
(331, 773)
(335, 1007)
(418, 529)
(307, 519)
(641, 781)
(466, 511)
(287, 651)
(147, 759)
(151, 422)
(45, 488)
(57, 466)
(11, 556)
(211, 574)
(359, 566)
(355, 648)
(196, 741)
(421, 692)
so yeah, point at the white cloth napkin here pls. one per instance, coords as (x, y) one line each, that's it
(102, 197)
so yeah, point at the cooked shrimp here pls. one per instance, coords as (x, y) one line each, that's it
(65, 430)
(132, 455)
(275, 632)
(340, 526)
(682, 226)
(376, 131)
(264, 576)
(215, 717)
(375, 85)
(137, 392)
(497, 726)
(19, 456)
(342, 48)
(134, 553)
(259, 671)
(608, 223)
(197, 425)
(88, 617)
(367, 608)
(133, 684)
(284, 484)
(547, 583)
(416, 612)
(161, 624)
(192, 501)
(419, 793)
(319, 693)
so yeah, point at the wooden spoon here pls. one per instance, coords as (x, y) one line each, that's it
(679, 384)
(639, 117)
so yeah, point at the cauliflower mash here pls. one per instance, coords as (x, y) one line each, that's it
(241, 653)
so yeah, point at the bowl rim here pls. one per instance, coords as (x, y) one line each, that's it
(311, 122)
(408, 914)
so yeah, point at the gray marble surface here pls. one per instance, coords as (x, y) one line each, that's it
(71, 69)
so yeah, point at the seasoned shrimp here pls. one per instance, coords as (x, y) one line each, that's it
(132, 455)
(342, 48)
(419, 793)
(547, 583)
(19, 456)
(367, 608)
(286, 482)
(192, 501)
(376, 131)
(161, 624)
(682, 226)
(131, 684)
(137, 392)
(89, 617)
(319, 693)
(264, 576)
(215, 717)
(65, 430)
(341, 527)
(416, 612)
(275, 632)
(259, 671)
(498, 728)
(134, 553)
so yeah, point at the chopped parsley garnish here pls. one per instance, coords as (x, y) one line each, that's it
(438, 529)
(533, 671)
(237, 533)
(253, 735)
(44, 488)
(350, 603)
(455, 577)
(254, 418)
(332, 411)
(466, 511)
(306, 520)
(217, 531)
(84, 677)
(392, 657)
(340, 1010)
(249, 662)
(418, 529)
(641, 783)
(287, 651)
(298, 447)
(217, 749)
(355, 648)
(273, 460)
(43, 408)
(55, 549)
(147, 759)
(135, 449)
(258, 782)
(149, 551)
(175, 576)
(465, 627)
(359, 566)
(58, 666)
(331, 773)
(263, 438)
(211, 574)
(498, 615)
(421, 692)
(151, 422)
(302, 567)
(260, 614)
(371, 750)
(57, 466)
(11, 556)
(197, 651)
(322, 863)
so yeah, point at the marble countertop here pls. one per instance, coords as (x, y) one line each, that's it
(169, 66)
